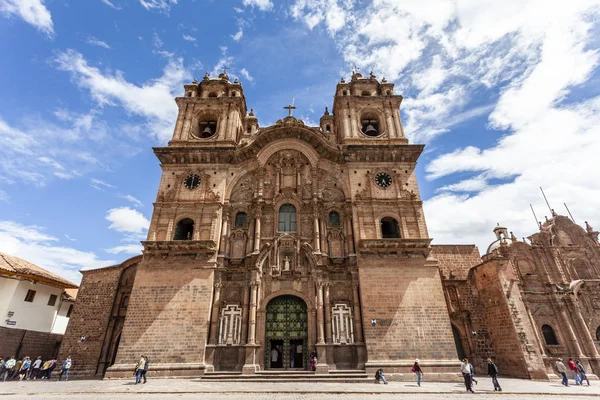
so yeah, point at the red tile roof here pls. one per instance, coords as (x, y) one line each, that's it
(10, 265)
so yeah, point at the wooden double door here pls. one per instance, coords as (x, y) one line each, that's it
(286, 334)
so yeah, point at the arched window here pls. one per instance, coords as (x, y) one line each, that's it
(212, 94)
(598, 333)
(390, 228)
(184, 230)
(549, 335)
(369, 124)
(334, 218)
(287, 218)
(241, 219)
(207, 129)
(365, 93)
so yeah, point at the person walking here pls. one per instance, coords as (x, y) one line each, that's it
(50, 369)
(582, 373)
(313, 361)
(416, 368)
(66, 366)
(573, 368)
(25, 368)
(493, 373)
(380, 377)
(146, 365)
(139, 368)
(8, 366)
(35, 368)
(560, 367)
(466, 370)
(16, 369)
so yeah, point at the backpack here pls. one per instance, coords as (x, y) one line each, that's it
(413, 369)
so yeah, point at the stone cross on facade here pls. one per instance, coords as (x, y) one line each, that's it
(290, 108)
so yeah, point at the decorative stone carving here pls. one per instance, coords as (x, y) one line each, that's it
(342, 325)
(230, 325)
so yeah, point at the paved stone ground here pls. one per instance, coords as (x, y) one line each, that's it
(193, 389)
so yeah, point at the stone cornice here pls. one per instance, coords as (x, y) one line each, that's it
(179, 246)
(406, 247)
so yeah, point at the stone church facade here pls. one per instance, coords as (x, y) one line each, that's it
(267, 244)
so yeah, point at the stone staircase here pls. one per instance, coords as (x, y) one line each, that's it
(337, 376)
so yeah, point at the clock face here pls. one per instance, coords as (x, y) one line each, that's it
(383, 180)
(192, 181)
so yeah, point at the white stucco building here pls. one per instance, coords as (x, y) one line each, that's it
(32, 298)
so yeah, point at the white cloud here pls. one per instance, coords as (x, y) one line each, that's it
(33, 12)
(97, 42)
(152, 100)
(263, 5)
(70, 238)
(189, 38)
(160, 5)
(134, 249)
(125, 219)
(51, 162)
(244, 72)
(533, 53)
(157, 41)
(100, 184)
(133, 200)
(110, 4)
(31, 243)
(238, 35)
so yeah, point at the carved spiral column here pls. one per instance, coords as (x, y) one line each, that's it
(320, 330)
(357, 314)
(215, 313)
(257, 230)
(252, 318)
(328, 337)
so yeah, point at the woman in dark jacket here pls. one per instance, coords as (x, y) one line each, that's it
(493, 372)
(146, 365)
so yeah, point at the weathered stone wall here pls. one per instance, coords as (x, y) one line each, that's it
(168, 317)
(406, 298)
(90, 318)
(32, 343)
(455, 260)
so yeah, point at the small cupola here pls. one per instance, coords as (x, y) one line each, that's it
(250, 123)
(326, 122)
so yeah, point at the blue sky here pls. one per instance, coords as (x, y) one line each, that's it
(504, 95)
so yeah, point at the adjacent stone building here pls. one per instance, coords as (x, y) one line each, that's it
(267, 244)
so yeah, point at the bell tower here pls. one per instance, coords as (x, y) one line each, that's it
(366, 111)
(212, 112)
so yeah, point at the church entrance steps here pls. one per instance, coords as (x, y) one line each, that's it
(340, 376)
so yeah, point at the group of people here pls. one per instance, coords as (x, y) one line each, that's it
(465, 368)
(140, 369)
(578, 370)
(468, 373)
(23, 369)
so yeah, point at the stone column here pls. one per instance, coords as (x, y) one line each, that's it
(323, 234)
(316, 234)
(245, 306)
(587, 339)
(214, 321)
(358, 332)
(320, 330)
(277, 179)
(179, 123)
(328, 337)
(257, 230)
(224, 233)
(187, 123)
(252, 318)
(349, 235)
(569, 331)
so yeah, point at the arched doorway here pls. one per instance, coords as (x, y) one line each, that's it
(460, 351)
(286, 333)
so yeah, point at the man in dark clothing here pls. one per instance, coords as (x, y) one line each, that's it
(493, 372)
(146, 365)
